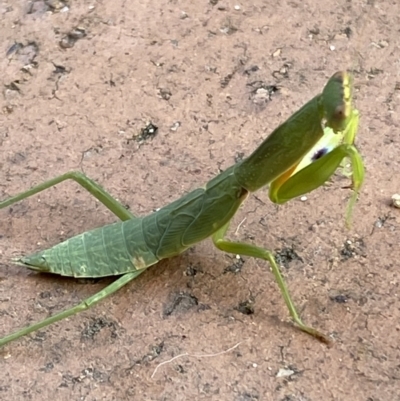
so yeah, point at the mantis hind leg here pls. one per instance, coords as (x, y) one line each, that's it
(91, 186)
(84, 305)
(114, 206)
(261, 253)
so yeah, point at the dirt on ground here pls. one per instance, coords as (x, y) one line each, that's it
(152, 99)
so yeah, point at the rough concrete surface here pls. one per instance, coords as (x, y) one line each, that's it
(80, 81)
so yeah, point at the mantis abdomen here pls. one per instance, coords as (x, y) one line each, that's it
(104, 251)
(138, 243)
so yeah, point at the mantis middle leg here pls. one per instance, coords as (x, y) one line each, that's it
(242, 248)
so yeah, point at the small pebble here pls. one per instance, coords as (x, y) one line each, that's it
(396, 200)
(285, 373)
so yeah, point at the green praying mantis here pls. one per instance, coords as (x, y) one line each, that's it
(298, 157)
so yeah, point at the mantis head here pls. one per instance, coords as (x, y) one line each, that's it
(336, 102)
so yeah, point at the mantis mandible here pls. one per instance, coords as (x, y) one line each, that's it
(298, 157)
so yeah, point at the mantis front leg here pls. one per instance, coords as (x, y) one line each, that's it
(320, 164)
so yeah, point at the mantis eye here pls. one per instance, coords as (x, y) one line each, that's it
(340, 112)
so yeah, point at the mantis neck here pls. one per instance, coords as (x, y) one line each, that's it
(284, 148)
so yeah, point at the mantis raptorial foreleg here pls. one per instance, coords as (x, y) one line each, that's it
(321, 170)
(315, 169)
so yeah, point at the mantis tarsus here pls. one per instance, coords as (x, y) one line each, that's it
(298, 157)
